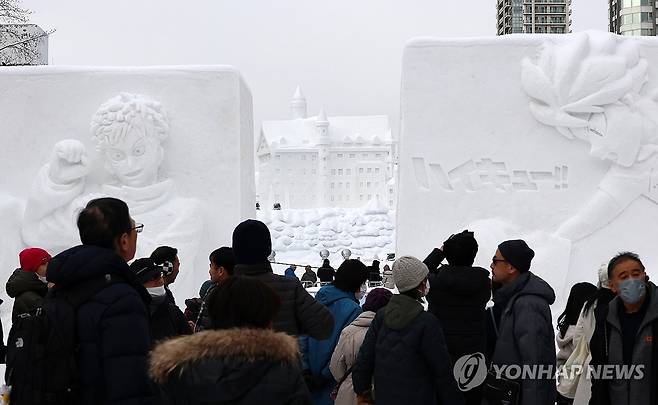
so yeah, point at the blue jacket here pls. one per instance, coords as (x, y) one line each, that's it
(317, 353)
(290, 273)
(112, 327)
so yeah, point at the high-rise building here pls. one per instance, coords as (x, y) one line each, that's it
(632, 17)
(533, 16)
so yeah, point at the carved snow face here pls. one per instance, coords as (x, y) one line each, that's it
(616, 134)
(135, 159)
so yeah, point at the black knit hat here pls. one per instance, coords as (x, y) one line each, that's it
(460, 249)
(350, 275)
(251, 242)
(517, 253)
(145, 270)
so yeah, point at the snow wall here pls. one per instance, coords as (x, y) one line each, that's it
(549, 138)
(204, 163)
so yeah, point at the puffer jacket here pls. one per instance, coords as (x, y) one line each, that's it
(27, 291)
(525, 334)
(345, 354)
(112, 327)
(632, 390)
(300, 314)
(167, 320)
(233, 366)
(317, 353)
(405, 351)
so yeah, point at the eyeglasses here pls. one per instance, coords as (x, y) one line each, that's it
(138, 227)
(494, 260)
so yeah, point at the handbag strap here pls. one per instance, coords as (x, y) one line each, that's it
(344, 377)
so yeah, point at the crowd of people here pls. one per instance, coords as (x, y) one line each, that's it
(427, 335)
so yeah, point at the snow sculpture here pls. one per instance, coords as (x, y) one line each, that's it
(128, 131)
(504, 147)
(595, 89)
(185, 167)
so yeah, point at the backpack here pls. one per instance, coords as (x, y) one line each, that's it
(42, 347)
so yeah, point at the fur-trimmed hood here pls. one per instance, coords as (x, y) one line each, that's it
(243, 344)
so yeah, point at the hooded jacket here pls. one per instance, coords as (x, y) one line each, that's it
(233, 366)
(525, 334)
(632, 390)
(112, 327)
(300, 314)
(345, 354)
(405, 351)
(27, 291)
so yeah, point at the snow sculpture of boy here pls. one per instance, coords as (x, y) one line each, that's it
(594, 88)
(128, 131)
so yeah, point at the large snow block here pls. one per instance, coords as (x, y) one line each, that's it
(175, 143)
(548, 138)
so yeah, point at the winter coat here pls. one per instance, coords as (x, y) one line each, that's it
(112, 327)
(167, 320)
(525, 334)
(290, 273)
(565, 345)
(310, 277)
(317, 353)
(405, 351)
(458, 298)
(27, 291)
(344, 355)
(633, 390)
(326, 274)
(300, 314)
(232, 366)
(387, 278)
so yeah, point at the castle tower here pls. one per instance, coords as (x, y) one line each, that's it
(298, 104)
(322, 128)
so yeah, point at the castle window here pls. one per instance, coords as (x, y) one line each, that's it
(340, 172)
(377, 170)
(348, 171)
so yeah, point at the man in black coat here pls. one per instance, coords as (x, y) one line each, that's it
(458, 297)
(167, 320)
(112, 326)
(300, 313)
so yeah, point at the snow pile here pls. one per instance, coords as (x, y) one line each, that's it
(298, 235)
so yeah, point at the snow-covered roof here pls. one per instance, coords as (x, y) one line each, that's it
(343, 130)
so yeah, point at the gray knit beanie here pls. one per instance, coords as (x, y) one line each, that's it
(408, 273)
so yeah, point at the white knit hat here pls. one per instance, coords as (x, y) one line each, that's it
(603, 276)
(408, 273)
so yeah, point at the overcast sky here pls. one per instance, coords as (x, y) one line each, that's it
(346, 54)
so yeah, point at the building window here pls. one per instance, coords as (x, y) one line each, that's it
(360, 169)
(347, 198)
(339, 155)
(378, 155)
(370, 170)
(361, 184)
(333, 172)
(332, 198)
(277, 157)
(368, 184)
(352, 155)
(340, 172)
(369, 196)
(347, 185)
(360, 197)
(277, 171)
(348, 171)
(332, 185)
(376, 170)
(340, 185)
(303, 156)
(313, 157)
(364, 155)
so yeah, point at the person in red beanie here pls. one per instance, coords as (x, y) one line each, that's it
(27, 285)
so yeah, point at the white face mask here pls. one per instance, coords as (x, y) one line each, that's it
(426, 290)
(156, 291)
(362, 292)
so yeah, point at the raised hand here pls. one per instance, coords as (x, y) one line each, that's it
(69, 162)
